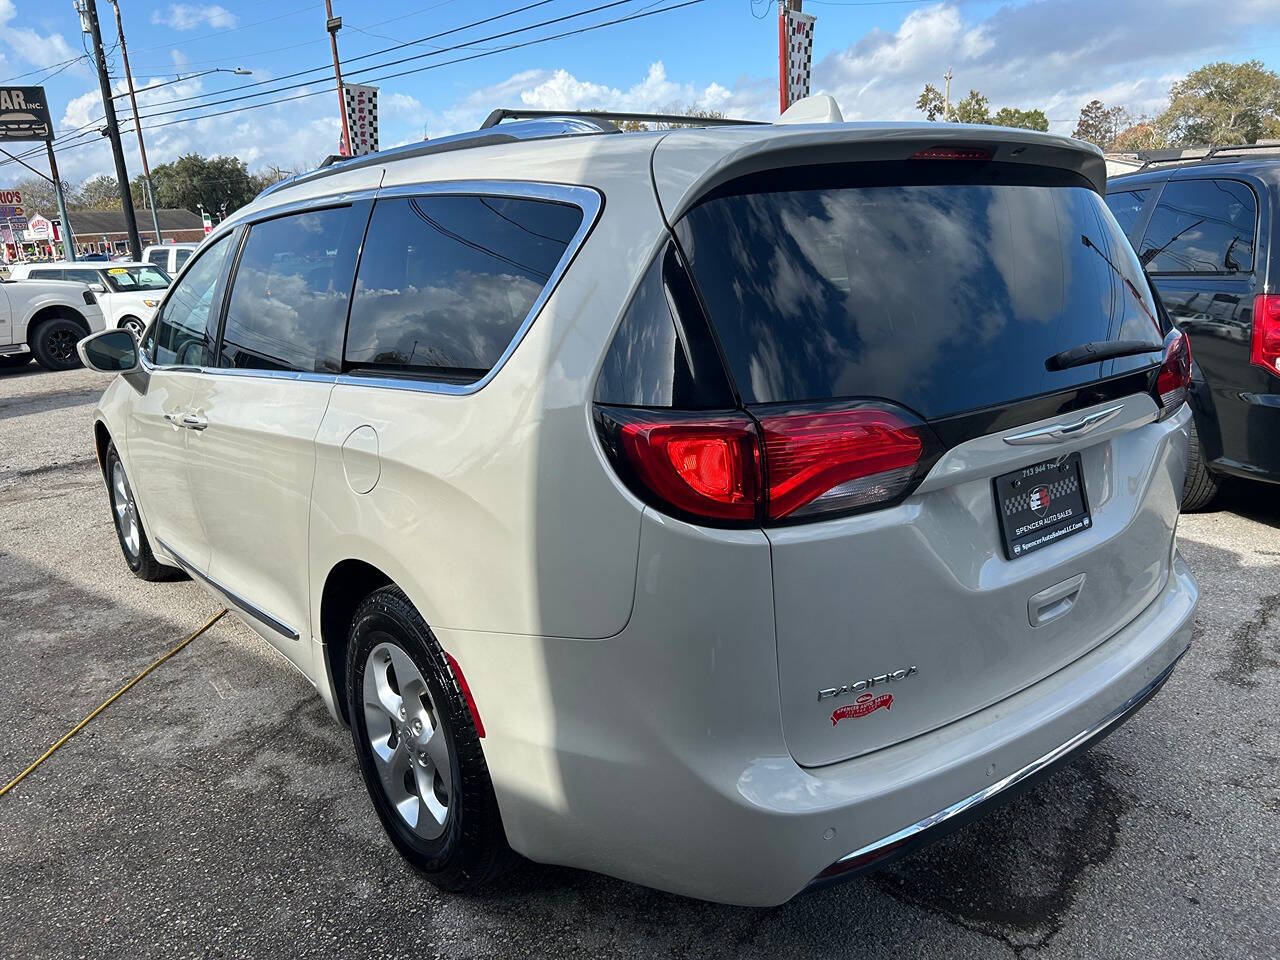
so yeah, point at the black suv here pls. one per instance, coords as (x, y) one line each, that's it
(1201, 221)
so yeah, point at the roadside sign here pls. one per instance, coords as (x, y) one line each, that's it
(362, 117)
(38, 228)
(24, 114)
(11, 205)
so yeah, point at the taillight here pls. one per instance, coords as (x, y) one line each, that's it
(828, 461)
(704, 466)
(1174, 379)
(1266, 332)
(733, 469)
(952, 153)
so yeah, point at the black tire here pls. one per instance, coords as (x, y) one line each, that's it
(14, 361)
(472, 848)
(54, 343)
(139, 558)
(1201, 487)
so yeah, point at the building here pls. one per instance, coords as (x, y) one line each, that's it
(103, 231)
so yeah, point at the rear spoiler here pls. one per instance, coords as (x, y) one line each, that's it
(688, 164)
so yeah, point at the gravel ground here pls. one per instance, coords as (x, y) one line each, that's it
(216, 810)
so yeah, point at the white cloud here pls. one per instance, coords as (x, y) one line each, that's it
(31, 46)
(188, 16)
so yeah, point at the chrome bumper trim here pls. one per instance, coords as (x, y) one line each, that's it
(935, 826)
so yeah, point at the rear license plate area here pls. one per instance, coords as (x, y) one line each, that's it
(1041, 504)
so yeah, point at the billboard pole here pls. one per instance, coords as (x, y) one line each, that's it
(68, 239)
(333, 25)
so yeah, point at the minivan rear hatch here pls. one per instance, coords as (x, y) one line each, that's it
(940, 297)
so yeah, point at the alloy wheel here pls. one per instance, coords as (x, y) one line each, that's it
(126, 511)
(62, 346)
(409, 748)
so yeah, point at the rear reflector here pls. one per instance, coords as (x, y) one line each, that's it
(837, 460)
(1265, 352)
(731, 468)
(1174, 378)
(952, 153)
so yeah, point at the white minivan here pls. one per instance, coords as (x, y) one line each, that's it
(725, 509)
(127, 292)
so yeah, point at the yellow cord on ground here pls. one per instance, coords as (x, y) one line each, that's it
(108, 702)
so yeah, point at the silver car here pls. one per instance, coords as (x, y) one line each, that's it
(725, 509)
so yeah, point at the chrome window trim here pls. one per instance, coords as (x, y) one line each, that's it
(235, 600)
(587, 199)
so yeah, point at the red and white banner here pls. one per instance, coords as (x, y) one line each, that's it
(865, 704)
(795, 40)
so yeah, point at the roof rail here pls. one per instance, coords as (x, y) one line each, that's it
(1220, 153)
(608, 119)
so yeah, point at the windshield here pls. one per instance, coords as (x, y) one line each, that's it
(129, 279)
(945, 296)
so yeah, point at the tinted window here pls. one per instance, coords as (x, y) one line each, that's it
(180, 257)
(289, 297)
(83, 276)
(46, 275)
(158, 257)
(1201, 226)
(942, 296)
(445, 281)
(178, 337)
(1125, 207)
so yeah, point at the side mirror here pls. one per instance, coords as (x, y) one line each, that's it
(98, 287)
(110, 351)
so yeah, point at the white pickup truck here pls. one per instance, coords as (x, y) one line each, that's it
(46, 319)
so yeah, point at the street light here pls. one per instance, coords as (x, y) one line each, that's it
(238, 71)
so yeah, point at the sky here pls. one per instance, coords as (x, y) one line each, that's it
(873, 57)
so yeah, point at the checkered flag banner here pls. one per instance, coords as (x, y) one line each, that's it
(1033, 497)
(798, 32)
(362, 117)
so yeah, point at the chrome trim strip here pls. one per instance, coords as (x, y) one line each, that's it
(587, 199)
(235, 600)
(1058, 432)
(874, 852)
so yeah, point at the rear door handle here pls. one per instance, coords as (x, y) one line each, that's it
(192, 422)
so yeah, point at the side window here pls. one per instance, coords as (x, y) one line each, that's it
(47, 275)
(159, 257)
(1201, 226)
(288, 303)
(1125, 206)
(177, 337)
(83, 276)
(180, 257)
(446, 281)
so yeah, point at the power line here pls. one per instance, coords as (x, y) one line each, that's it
(57, 67)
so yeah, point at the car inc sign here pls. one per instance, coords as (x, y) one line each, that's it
(24, 114)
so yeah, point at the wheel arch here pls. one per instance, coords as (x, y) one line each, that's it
(347, 584)
(101, 440)
(54, 311)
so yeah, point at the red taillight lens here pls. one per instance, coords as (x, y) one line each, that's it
(836, 460)
(1174, 379)
(1266, 333)
(703, 466)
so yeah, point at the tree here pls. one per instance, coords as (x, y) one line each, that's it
(272, 173)
(972, 109)
(1222, 103)
(1142, 135)
(38, 196)
(97, 193)
(1100, 125)
(931, 103)
(193, 181)
(1027, 119)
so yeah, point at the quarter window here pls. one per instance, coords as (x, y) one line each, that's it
(178, 335)
(1125, 206)
(445, 282)
(1202, 226)
(289, 297)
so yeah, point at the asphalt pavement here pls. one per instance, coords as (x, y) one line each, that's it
(215, 810)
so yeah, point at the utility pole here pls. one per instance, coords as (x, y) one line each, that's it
(946, 110)
(137, 126)
(333, 25)
(90, 9)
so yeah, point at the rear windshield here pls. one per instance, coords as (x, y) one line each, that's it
(943, 296)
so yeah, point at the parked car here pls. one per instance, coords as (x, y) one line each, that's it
(44, 319)
(128, 292)
(1201, 222)
(726, 509)
(169, 257)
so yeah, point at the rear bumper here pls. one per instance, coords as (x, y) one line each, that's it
(937, 825)
(1246, 426)
(657, 756)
